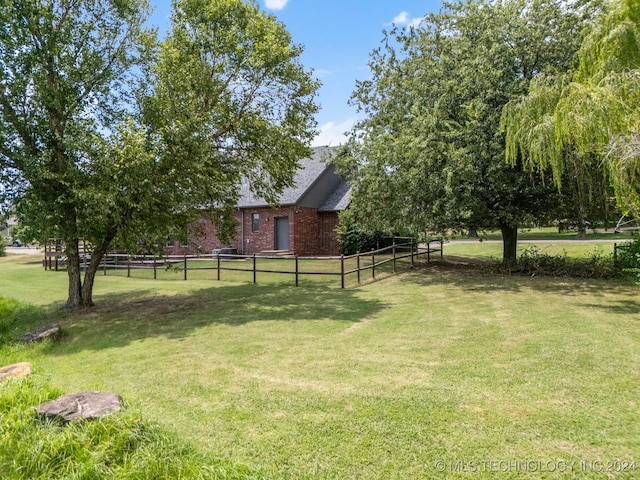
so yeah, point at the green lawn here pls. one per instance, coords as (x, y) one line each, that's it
(552, 234)
(493, 250)
(491, 374)
(546, 240)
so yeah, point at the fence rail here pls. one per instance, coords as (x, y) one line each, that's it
(343, 266)
(620, 247)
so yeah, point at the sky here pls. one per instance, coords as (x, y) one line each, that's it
(337, 36)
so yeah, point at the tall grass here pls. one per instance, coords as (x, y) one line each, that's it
(120, 446)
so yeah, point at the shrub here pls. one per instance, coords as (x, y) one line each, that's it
(3, 246)
(597, 265)
(353, 237)
(628, 256)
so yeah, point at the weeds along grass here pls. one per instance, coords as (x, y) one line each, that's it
(120, 446)
(381, 381)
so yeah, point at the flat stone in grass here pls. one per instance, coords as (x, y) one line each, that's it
(17, 370)
(41, 334)
(81, 406)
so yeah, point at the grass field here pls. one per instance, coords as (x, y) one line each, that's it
(546, 240)
(493, 250)
(434, 373)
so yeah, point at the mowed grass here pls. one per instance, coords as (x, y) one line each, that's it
(491, 375)
(546, 241)
(493, 250)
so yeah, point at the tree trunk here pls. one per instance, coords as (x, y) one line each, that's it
(97, 255)
(509, 244)
(74, 300)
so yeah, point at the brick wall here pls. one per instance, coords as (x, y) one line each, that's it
(265, 238)
(304, 234)
(310, 233)
(327, 238)
(202, 237)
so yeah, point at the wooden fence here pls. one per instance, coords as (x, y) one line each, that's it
(620, 247)
(359, 265)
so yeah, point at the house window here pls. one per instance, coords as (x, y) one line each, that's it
(179, 236)
(255, 222)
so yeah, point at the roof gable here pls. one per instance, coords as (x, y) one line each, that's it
(314, 181)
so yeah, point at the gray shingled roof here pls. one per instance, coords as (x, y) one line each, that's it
(339, 199)
(311, 169)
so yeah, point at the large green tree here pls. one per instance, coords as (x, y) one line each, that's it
(429, 153)
(585, 124)
(112, 137)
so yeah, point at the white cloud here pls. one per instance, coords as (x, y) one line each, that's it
(403, 18)
(415, 22)
(332, 133)
(276, 4)
(321, 72)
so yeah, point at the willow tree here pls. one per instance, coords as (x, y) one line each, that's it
(429, 153)
(111, 136)
(584, 125)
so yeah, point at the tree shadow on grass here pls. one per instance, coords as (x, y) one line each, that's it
(610, 295)
(118, 320)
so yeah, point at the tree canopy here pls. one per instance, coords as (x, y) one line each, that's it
(110, 136)
(584, 123)
(429, 153)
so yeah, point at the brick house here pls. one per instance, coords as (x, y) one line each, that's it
(303, 224)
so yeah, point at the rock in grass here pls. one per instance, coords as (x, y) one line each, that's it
(41, 334)
(17, 370)
(81, 406)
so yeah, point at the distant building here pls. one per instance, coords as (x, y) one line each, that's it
(7, 227)
(303, 224)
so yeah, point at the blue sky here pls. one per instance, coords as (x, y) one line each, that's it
(338, 36)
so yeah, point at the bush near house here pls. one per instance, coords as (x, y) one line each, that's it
(354, 238)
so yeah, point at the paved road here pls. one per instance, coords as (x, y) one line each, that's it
(23, 250)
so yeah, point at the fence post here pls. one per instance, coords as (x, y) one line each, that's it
(155, 275)
(429, 251)
(414, 246)
(393, 250)
(441, 245)
(296, 270)
(218, 257)
(254, 268)
(373, 264)
(185, 266)
(104, 264)
(342, 271)
(358, 265)
(128, 266)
